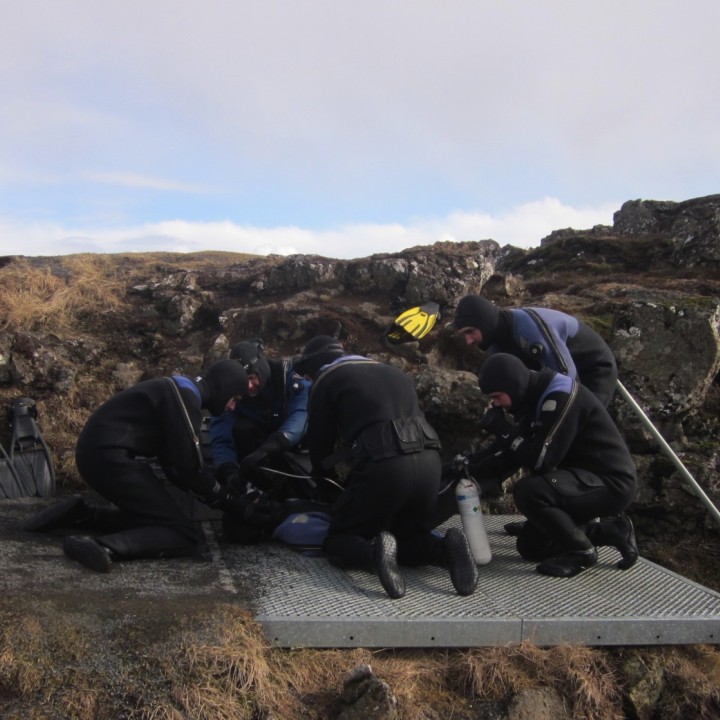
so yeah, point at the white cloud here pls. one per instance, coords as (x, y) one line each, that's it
(523, 227)
(136, 180)
(375, 121)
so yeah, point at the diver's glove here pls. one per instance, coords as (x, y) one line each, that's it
(231, 478)
(216, 495)
(275, 443)
(496, 422)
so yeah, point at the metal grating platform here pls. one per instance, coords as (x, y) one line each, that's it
(305, 602)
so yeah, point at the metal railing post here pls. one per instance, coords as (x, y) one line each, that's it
(699, 492)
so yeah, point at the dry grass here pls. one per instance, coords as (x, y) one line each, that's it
(223, 678)
(582, 676)
(194, 261)
(38, 661)
(692, 683)
(239, 676)
(54, 294)
(222, 668)
(55, 297)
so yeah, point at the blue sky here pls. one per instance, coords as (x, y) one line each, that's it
(346, 128)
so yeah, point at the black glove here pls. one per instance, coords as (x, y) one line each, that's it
(231, 478)
(277, 442)
(215, 495)
(489, 461)
(496, 422)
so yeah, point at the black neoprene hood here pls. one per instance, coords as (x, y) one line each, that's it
(477, 312)
(505, 373)
(319, 351)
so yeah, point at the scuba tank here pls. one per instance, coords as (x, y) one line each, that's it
(467, 495)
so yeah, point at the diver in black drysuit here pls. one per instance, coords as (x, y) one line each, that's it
(391, 490)
(541, 337)
(141, 422)
(580, 467)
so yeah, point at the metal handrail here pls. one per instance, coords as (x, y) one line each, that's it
(669, 451)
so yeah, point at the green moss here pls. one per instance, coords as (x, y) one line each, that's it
(603, 325)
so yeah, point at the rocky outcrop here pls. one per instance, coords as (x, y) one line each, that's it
(667, 347)
(649, 284)
(366, 697)
(693, 226)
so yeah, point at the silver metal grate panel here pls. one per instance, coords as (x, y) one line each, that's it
(306, 602)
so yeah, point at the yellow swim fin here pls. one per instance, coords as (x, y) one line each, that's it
(413, 324)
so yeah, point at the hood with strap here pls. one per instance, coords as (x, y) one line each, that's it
(250, 354)
(319, 351)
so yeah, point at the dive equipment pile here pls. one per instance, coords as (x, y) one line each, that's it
(27, 470)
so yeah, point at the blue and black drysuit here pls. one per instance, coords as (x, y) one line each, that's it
(543, 338)
(279, 411)
(579, 465)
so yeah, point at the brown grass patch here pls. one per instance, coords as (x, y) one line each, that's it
(239, 675)
(55, 296)
(216, 665)
(692, 683)
(37, 661)
(583, 676)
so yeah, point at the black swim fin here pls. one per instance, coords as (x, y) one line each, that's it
(28, 452)
(413, 324)
(9, 482)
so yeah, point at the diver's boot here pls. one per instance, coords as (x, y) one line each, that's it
(384, 555)
(535, 546)
(569, 563)
(88, 552)
(618, 532)
(459, 560)
(65, 514)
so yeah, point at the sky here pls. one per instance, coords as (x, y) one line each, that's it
(345, 128)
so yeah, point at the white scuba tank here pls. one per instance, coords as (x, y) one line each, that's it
(467, 495)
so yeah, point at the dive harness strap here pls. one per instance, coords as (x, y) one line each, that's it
(191, 429)
(545, 330)
(556, 425)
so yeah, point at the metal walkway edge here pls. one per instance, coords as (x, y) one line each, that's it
(306, 602)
